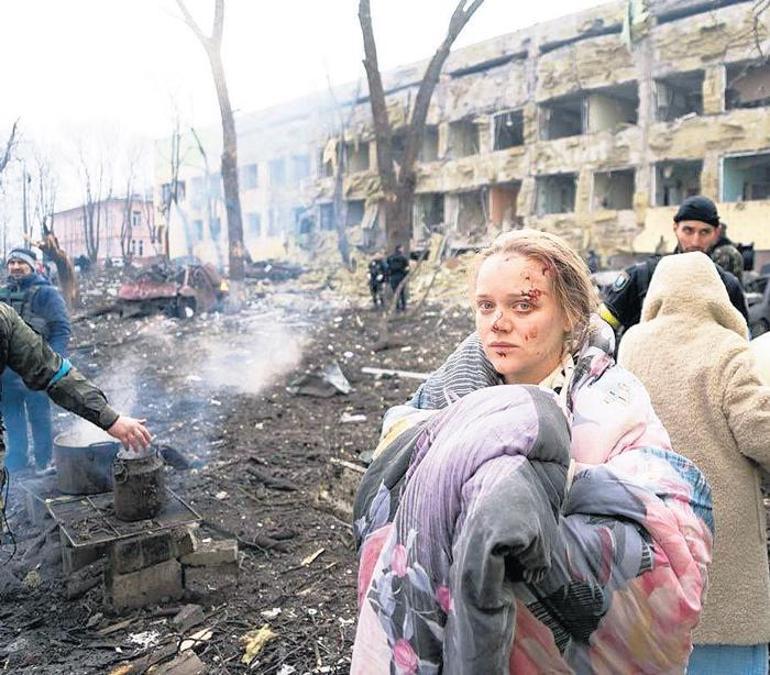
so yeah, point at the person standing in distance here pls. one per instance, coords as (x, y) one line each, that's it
(398, 268)
(41, 306)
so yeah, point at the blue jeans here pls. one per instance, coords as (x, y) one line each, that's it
(728, 660)
(19, 405)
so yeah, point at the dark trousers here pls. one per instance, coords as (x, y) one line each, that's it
(376, 291)
(18, 406)
(401, 300)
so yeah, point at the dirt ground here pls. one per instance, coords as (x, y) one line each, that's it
(214, 388)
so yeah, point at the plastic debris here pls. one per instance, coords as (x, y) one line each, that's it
(254, 641)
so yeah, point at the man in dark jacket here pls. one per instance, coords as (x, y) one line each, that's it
(697, 228)
(42, 307)
(398, 268)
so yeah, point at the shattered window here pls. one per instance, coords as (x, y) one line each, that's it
(675, 181)
(679, 95)
(556, 193)
(508, 130)
(614, 190)
(748, 85)
(746, 178)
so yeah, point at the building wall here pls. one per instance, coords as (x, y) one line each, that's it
(584, 57)
(70, 231)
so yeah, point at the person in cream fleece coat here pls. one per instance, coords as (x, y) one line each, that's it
(691, 353)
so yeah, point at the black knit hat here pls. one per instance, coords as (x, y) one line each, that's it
(698, 208)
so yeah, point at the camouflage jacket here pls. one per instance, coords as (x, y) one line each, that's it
(25, 352)
(728, 258)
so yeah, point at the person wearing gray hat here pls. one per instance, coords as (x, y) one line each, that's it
(42, 308)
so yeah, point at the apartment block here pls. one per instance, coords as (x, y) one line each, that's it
(594, 126)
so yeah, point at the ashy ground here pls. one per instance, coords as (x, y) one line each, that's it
(214, 388)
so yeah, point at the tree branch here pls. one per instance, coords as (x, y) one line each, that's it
(382, 128)
(9, 146)
(190, 21)
(219, 23)
(460, 17)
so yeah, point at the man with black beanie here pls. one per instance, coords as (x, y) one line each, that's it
(697, 228)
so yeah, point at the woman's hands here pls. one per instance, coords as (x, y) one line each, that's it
(131, 433)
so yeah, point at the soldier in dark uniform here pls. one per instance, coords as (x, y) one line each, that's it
(726, 254)
(42, 369)
(378, 272)
(398, 268)
(697, 228)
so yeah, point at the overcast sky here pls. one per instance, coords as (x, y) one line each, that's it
(109, 73)
(70, 63)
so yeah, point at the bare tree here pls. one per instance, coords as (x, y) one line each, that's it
(9, 146)
(46, 186)
(398, 183)
(339, 165)
(213, 47)
(171, 193)
(97, 190)
(127, 222)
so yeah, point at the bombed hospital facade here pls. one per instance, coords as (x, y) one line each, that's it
(594, 126)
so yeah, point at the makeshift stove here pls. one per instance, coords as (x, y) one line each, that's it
(139, 539)
(90, 520)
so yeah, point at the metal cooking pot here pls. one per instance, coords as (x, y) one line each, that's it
(140, 490)
(83, 469)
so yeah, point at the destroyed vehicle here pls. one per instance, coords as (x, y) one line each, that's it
(272, 270)
(758, 300)
(174, 289)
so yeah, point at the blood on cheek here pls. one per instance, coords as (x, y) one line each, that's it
(531, 334)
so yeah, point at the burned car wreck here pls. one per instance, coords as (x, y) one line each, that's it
(177, 288)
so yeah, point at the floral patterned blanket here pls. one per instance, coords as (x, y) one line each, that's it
(477, 554)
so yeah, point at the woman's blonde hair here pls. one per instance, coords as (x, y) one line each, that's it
(572, 286)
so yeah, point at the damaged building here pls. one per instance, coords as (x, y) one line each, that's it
(595, 126)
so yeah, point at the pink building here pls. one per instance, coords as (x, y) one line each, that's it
(114, 216)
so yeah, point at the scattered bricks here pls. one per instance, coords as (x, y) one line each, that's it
(213, 554)
(130, 555)
(187, 663)
(188, 616)
(36, 509)
(147, 586)
(74, 558)
(83, 580)
(201, 581)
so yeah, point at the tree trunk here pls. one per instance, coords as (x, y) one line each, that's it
(398, 219)
(398, 189)
(213, 47)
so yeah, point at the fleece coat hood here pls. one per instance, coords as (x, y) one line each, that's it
(691, 353)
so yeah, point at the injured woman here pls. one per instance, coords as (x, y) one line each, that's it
(525, 512)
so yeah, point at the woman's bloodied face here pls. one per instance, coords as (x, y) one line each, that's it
(521, 324)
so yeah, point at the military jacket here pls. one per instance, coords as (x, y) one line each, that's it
(623, 301)
(41, 368)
